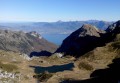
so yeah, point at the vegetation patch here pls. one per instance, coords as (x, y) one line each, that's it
(116, 45)
(65, 80)
(85, 65)
(16, 62)
(8, 67)
(87, 55)
(26, 77)
(42, 77)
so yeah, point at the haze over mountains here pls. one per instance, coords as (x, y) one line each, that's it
(54, 27)
(54, 32)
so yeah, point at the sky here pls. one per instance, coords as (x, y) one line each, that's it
(54, 10)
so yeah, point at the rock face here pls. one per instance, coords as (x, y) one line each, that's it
(88, 30)
(24, 42)
(112, 31)
(81, 40)
(114, 27)
(87, 38)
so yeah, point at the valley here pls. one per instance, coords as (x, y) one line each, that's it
(59, 41)
(64, 64)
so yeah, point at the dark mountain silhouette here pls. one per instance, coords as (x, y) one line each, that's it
(42, 53)
(19, 41)
(81, 41)
(87, 38)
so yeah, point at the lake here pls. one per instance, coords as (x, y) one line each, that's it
(55, 38)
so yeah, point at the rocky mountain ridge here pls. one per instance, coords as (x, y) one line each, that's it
(19, 41)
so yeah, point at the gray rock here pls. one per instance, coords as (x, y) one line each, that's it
(18, 41)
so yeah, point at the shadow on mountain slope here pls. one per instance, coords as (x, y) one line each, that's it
(108, 75)
(80, 46)
(42, 53)
(53, 69)
(87, 38)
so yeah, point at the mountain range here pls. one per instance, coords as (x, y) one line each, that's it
(60, 27)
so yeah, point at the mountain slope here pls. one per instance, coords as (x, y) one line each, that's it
(87, 38)
(82, 40)
(24, 42)
(105, 60)
(102, 62)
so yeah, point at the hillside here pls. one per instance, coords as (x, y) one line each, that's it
(81, 41)
(86, 39)
(102, 59)
(18, 41)
(19, 68)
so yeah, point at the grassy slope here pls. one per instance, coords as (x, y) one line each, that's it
(13, 62)
(99, 58)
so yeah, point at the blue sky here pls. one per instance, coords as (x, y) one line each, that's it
(54, 10)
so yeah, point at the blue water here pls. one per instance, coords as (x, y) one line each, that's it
(55, 38)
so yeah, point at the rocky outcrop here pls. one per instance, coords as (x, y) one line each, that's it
(19, 41)
(88, 30)
(9, 76)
